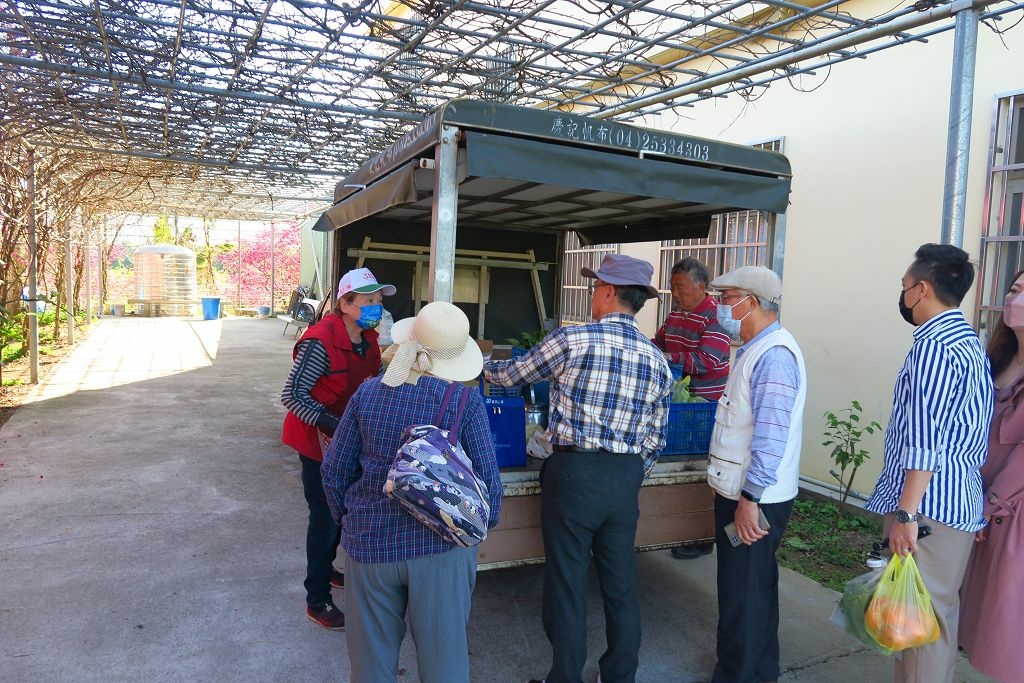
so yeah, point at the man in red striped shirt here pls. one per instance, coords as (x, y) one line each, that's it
(693, 340)
(691, 336)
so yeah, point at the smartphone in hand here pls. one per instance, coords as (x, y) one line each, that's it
(730, 528)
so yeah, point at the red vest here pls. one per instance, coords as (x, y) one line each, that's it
(334, 389)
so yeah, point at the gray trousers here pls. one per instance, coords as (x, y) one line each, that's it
(942, 560)
(434, 592)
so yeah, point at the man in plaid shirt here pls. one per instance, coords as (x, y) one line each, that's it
(610, 389)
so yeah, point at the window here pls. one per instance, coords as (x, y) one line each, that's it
(575, 295)
(1002, 238)
(742, 238)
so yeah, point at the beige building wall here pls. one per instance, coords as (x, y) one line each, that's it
(868, 149)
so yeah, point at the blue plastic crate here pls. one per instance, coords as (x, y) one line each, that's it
(689, 428)
(488, 389)
(508, 428)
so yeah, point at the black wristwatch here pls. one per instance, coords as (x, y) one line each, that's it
(751, 497)
(904, 517)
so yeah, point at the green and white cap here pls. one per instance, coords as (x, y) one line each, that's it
(362, 281)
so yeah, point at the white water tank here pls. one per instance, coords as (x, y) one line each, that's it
(165, 280)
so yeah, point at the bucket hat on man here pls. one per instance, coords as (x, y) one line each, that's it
(618, 269)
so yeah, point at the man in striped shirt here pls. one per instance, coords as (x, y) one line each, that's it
(610, 391)
(695, 345)
(935, 444)
(691, 337)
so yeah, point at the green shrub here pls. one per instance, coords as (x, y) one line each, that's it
(527, 340)
(844, 435)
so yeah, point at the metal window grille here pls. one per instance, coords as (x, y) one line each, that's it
(741, 238)
(575, 293)
(1002, 255)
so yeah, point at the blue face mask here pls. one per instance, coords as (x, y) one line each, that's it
(728, 323)
(369, 316)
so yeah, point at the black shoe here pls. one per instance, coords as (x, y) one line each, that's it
(691, 552)
(337, 579)
(327, 615)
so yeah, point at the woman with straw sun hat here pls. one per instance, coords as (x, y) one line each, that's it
(398, 568)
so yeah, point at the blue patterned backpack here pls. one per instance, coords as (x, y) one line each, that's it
(433, 478)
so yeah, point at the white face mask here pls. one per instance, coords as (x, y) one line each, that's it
(730, 324)
(1013, 310)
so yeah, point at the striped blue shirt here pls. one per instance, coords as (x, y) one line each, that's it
(374, 528)
(610, 390)
(774, 385)
(942, 408)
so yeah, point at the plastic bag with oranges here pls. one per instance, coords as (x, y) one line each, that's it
(900, 613)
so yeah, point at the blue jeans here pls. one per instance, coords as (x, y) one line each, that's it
(322, 535)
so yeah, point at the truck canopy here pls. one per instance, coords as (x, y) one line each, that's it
(542, 171)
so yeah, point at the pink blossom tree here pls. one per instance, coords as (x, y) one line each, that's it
(248, 282)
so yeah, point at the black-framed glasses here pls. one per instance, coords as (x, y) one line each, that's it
(594, 285)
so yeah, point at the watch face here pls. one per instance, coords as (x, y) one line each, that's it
(903, 517)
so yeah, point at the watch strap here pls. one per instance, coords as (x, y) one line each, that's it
(904, 517)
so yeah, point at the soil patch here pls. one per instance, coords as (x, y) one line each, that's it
(814, 547)
(13, 396)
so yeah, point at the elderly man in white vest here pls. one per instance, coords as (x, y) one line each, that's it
(754, 468)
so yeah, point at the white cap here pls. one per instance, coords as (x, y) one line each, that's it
(362, 281)
(760, 281)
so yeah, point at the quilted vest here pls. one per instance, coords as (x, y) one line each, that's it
(334, 389)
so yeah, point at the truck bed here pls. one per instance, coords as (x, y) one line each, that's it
(676, 508)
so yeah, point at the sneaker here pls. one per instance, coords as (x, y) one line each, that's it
(327, 615)
(337, 579)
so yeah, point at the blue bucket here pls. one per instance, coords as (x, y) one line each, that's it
(211, 307)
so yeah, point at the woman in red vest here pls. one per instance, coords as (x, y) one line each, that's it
(331, 360)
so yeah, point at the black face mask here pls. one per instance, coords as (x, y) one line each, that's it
(908, 311)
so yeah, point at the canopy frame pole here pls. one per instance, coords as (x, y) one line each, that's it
(69, 283)
(958, 141)
(273, 264)
(87, 258)
(33, 319)
(441, 276)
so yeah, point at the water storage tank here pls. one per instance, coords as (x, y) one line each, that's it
(165, 280)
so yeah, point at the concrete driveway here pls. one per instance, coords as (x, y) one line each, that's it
(152, 527)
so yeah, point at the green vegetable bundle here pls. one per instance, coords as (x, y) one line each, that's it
(681, 392)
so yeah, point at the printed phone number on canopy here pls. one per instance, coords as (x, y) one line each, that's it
(629, 138)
